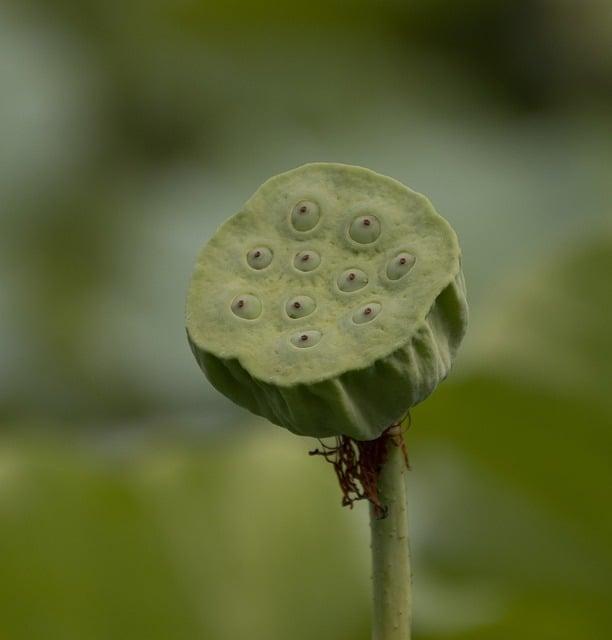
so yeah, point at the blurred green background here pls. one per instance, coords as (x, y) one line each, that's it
(136, 502)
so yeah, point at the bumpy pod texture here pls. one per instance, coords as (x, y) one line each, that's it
(331, 303)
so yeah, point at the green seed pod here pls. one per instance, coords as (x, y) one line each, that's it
(300, 306)
(306, 260)
(259, 258)
(367, 313)
(400, 265)
(365, 229)
(305, 215)
(305, 339)
(390, 307)
(246, 306)
(352, 280)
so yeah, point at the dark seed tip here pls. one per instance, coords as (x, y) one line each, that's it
(303, 337)
(367, 311)
(241, 303)
(351, 276)
(366, 223)
(402, 261)
(297, 305)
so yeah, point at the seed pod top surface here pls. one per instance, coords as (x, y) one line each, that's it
(331, 303)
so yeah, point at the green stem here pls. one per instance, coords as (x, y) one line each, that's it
(391, 553)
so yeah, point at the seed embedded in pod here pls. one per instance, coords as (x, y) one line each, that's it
(305, 339)
(246, 306)
(365, 229)
(259, 257)
(300, 306)
(366, 313)
(305, 215)
(306, 260)
(400, 265)
(352, 280)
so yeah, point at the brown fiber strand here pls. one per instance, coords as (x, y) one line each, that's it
(358, 464)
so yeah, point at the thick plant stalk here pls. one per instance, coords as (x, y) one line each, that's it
(391, 573)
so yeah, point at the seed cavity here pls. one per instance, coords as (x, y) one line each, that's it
(246, 306)
(305, 215)
(400, 265)
(300, 306)
(352, 280)
(259, 257)
(366, 313)
(305, 339)
(306, 260)
(365, 229)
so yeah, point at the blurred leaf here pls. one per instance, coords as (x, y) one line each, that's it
(552, 326)
(536, 433)
(234, 540)
(129, 131)
(81, 556)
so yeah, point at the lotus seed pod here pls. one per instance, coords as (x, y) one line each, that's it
(259, 258)
(367, 312)
(246, 306)
(306, 260)
(400, 265)
(305, 215)
(300, 306)
(305, 339)
(365, 229)
(381, 313)
(352, 280)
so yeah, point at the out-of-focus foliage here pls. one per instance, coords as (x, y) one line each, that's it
(134, 501)
(146, 534)
(156, 539)
(543, 440)
(556, 329)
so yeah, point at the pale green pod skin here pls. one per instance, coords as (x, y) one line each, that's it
(300, 307)
(365, 229)
(352, 280)
(305, 339)
(246, 306)
(305, 215)
(260, 257)
(366, 313)
(348, 377)
(306, 260)
(400, 265)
